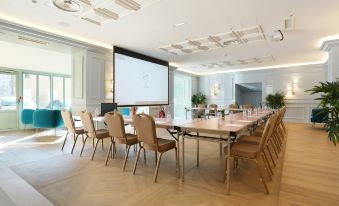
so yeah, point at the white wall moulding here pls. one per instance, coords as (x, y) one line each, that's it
(231, 38)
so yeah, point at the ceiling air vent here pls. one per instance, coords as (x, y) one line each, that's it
(67, 5)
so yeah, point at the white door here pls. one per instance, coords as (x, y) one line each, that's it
(182, 94)
(8, 101)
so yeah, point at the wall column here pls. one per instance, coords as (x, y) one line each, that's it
(332, 48)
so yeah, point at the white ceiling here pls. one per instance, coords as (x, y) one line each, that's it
(151, 27)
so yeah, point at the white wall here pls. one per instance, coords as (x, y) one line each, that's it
(298, 105)
(18, 56)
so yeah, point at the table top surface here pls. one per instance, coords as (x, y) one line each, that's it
(231, 123)
(219, 109)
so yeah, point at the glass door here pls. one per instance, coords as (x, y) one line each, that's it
(8, 101)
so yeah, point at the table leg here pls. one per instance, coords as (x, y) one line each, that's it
(183, 160)
(178, 152)
(186, 114)
(228, 164)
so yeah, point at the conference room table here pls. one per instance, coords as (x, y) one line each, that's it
(188, 109)
(201, 129)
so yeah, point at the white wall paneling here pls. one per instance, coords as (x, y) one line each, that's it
(298, 105)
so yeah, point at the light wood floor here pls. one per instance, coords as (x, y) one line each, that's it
(307, 173)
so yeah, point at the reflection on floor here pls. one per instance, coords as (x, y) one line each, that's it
(309, 175)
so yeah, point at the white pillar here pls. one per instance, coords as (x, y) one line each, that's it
(332, 47)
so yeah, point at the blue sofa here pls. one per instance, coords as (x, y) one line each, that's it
(42, 118)
(318, 116)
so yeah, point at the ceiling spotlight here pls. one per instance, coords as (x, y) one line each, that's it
(179, 24)
(34, 1)
(276, 35)
(67, 5)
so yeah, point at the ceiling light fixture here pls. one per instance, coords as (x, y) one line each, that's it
(128, 4)
(67, 5)
(91, 21)
(276, 35)
(179, 24)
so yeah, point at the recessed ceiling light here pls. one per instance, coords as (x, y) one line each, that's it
(179, 24)
(67, 5)
(35, 1)
(225, 55)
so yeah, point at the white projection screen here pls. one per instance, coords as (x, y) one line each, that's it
(139, 80)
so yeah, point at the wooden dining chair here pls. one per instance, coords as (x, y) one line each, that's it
(148, 140)
(213, 110)
(116, 128)
(253, 152)
(90, 131)
(70, 127)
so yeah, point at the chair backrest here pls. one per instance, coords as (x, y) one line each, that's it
(266, 133)
(145, 127)
(115, 125)
(248, 106)
(233, 106)
(213, 108)
(68, 120)
(87, 121)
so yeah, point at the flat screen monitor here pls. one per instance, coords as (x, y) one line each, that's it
(108, 107)
(139, 80)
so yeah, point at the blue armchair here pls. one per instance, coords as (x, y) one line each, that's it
(42, 118)
(318, 115)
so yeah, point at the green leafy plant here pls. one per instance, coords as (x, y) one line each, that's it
(329, 103)
(275, 101)
(198, 98)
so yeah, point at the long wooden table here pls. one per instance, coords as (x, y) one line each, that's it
(187, 109)
(234, 123)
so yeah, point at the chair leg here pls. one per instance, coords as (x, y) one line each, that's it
(126, 157)
(75, 141)
(102, 144)
(197, 153)
(176, 163)
(136, 159)
(155, 156)
(109, 152)
(144, 155)
(157, 168)
(262, 179)
(95, 148)
(83, 146)
(225, 171)
(64, 141)
(220, 148)
(267, 165)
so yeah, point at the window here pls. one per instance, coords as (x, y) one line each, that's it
(182, 94)
(54, 92)
(58, 92)
(44, 92)
(7, 91)
(68, 89)
(29, 91)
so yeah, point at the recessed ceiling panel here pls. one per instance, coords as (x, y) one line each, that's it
(233, 37)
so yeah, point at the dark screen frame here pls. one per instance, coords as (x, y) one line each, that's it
(143, 57)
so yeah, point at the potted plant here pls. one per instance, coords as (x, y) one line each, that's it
(275, 101)
(198, 98)
(329, 103)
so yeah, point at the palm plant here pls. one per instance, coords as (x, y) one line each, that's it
(329, 103)
(275, 101)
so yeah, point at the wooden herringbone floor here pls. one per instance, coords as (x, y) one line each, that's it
(307, 173)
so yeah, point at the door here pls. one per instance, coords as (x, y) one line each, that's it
(8, 101)
(182, 94)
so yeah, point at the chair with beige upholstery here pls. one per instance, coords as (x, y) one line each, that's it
(201, 113)
(248, 106)
(116, 128)
(70, 127)
(213, 110)
(90, 131)
(253, 152)
(147, 139)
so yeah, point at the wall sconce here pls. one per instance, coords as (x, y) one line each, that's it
(112, 86)
(291, 88)
(215, 90)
